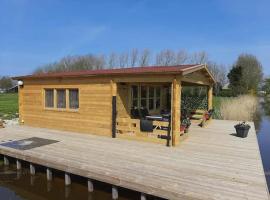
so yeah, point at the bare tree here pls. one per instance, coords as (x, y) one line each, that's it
(181, 57)
(166, 57)
(199, 58)
(123, 59)
(134, 57)
(219, 72)
(112, 61)
(144, 58)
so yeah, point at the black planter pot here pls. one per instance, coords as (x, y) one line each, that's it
(242, 131)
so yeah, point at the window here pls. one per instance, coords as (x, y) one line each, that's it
(151, 98)
(73, 98)
(157, 97)
(135, 91)
(49, 98)
(61, 98)
(144, 96)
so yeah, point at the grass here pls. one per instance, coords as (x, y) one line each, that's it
(8, 106)
(242, 108)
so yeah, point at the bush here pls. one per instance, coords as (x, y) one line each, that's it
(226, 93)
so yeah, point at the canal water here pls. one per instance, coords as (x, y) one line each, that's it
(22, 186)
(262, 124)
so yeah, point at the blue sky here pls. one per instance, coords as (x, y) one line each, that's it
(37, 32)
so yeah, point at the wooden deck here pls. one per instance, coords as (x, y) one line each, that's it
(211, 164)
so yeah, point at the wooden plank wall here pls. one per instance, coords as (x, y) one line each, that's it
(92, 117)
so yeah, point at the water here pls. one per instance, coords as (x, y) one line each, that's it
(23, 186)
(263, 134)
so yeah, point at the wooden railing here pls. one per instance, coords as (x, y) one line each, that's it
(132, 127)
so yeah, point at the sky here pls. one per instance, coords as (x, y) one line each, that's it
(37, 32)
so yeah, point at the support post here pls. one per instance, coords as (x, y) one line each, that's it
(143, 196)
(176, 110)
(67, 179)
(210, 97)
(90, 185)
(114, 192)
(6, 161)
(20, 92)
(49, 174)
(114, 113)
(32, 169)
(18, 165)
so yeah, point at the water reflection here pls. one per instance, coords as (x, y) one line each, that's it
(262, 124)
(19, 185)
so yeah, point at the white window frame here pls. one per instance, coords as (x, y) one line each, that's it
(147, 96)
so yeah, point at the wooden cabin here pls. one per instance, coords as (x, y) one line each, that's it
(112, 102)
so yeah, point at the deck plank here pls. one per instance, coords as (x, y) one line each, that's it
(210, 164)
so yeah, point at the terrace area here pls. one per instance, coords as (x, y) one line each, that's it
(212, 164)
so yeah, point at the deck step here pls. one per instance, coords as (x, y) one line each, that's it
(196, 116)
(200, 111)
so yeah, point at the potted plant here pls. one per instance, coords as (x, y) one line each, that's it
(185, 125)
(242, 129)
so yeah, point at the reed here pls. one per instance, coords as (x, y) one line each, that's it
(242, 108)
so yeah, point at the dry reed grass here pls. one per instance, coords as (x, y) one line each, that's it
(242, 108)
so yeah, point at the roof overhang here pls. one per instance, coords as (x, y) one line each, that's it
(182, 69)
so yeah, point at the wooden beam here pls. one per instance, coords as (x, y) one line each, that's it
(210, 97)
(176, 110)
(114, 93)
(20, 91)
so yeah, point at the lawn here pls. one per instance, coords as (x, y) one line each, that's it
(8, 106)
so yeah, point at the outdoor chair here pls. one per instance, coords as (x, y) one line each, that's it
(146, 125)
(135, 114)
(144, 112)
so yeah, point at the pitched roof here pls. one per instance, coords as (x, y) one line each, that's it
(177, 69)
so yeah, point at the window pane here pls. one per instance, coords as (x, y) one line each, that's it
(151, 104)
(158, 103)
(134, 103)
(158, 92)
(143, 103)
(151, 92)
(135, 91)
(143, 92)
(49, 98)
(61, 98)
(74, 98)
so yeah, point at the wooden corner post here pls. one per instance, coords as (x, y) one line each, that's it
(114, 113)
(210, 97)
(20, 92)
(176, 110)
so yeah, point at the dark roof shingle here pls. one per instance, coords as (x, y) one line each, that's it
(121, 71)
